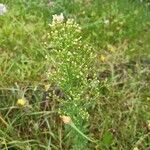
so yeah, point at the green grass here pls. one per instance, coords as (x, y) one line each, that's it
(94, 69)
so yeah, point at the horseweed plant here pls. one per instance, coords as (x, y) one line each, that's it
(70, 60)
(67, 87)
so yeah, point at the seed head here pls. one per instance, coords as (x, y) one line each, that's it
(66, 119)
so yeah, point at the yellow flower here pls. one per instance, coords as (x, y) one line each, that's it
(22, 102)
(148, 98)
(47, 86)
(111, 48)
(66, 119)
(103, 58)
(136, 148)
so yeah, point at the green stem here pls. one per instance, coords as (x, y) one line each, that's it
(81, 133)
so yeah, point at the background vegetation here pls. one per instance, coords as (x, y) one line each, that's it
(93, 67)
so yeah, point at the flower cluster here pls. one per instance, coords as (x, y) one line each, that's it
(63, 35)
(70, 56)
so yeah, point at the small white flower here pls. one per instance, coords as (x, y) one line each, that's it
(58, 18)
(46, 56)
(136, 148)
(2, 9)
(106, 21)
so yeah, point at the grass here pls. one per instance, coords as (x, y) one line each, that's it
(93, 68)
